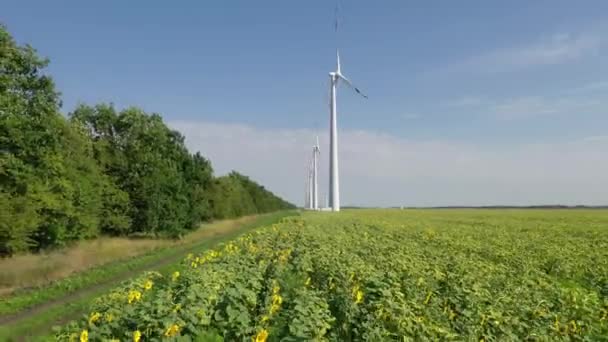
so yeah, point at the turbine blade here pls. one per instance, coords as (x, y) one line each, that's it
(348, 83)
(336, 21)
(338, 61)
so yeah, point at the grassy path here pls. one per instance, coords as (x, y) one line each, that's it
(30, 315)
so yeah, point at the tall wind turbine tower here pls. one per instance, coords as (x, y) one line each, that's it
(334, 181)
(334, 78)
(311, 200)
(315, 175)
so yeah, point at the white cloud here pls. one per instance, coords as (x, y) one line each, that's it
(556, 49)
(380, 169)
(578, 101)
(467, 101)
(600, 86)
(525, 107)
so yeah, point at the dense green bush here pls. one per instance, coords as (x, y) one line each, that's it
(146, 160)
(101, 171)
(51, 185)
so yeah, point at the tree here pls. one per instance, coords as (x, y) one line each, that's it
(230, 199)
(146, 160)
(236, 195)
(263, 200)
(48, 180)
(198, 175)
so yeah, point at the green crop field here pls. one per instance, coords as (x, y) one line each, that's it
(474, 275)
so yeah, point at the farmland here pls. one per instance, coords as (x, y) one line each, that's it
(482, 275)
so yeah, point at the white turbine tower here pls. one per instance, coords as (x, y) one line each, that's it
(315, 175)
(334, 181)
(311, 201)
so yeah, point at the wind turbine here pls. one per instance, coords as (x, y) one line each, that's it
(334, 181)
(315, 175)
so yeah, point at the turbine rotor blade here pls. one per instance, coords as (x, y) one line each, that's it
(336, 21)
(348, 83)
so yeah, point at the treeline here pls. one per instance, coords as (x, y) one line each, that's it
(99, 171)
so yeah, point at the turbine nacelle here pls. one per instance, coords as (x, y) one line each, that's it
(337, 75)
(338, 62)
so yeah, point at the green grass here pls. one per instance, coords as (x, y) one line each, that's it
(40, 322)
(25, 299)
(38, 327)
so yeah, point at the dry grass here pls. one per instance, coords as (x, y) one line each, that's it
(217, 228)
(29, 270)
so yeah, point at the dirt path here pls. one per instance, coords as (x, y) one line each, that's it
(116, 279)
(206, 239)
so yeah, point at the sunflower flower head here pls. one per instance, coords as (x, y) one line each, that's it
(275, 287)
(134, 296)
(357, 294)
(277, 300)
(261, 336)
(95, 316)
(172, 330)
(136, 336)
(84, 336)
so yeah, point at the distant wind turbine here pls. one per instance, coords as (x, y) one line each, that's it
(334, 181)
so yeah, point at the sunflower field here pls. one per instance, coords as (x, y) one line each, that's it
(376, 275)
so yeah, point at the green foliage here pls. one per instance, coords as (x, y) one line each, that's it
(103, 171)
(262, 200)
(145, 159)
(230, 198)
(169, 190)
(378, 275)
(199, 177)
(236, 195)
(50, 184)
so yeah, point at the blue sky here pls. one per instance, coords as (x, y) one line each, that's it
(475, 79)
